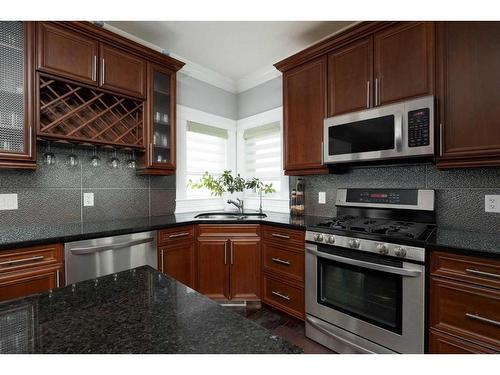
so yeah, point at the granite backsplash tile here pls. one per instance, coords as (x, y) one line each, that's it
(459, 193)
(54, 193)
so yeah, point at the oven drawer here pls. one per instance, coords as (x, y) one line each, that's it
(279, 259)
(284, 296)
(29, 257)
(469, 312)
(485, 272)
(440, 343)
(177, 234)
(291, 237)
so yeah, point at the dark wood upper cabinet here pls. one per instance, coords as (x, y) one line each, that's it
(245, 269)
(350, 76)
(17, 135)
(66, 53)
(121, 71)
(403, 62)
(469, 103)
(304, 109)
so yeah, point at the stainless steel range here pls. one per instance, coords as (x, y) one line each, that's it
(365, 272)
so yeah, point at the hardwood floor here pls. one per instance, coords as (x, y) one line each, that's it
(282, 325)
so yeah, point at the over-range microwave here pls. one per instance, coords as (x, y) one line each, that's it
(396, 131)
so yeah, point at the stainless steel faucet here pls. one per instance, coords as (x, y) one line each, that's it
(238, 204)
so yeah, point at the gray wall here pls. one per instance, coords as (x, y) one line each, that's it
(261, 98)
(200, 95)
(459, 193)
(54, 194)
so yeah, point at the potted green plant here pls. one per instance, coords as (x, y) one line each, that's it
(230, 187)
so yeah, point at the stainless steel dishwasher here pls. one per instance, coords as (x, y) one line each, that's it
(89, 259)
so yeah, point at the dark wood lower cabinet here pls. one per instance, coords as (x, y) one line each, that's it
(441, 343)
(177, 261)
(24, 283)
(213, 272)
(245, 269)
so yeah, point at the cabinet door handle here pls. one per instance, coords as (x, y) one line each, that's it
(94, 71)
(367, 94)
(377, 99)
(225, 252)
(232, 252)
(103, 71)
(30, 141)
(322, 153)
(284, 236)
(482, 319)
(14, 261)
(482, 273)
(161, 259)
(281, 261)
(58, 283)
(177, 235)
(441, 139)
(284, 296)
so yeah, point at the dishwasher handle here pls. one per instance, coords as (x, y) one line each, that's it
(116, 246)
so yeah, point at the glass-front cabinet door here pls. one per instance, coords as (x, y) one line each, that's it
(17, 148)
(161, 147)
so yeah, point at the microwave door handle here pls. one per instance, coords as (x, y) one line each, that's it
(360, 263)
(398, 131)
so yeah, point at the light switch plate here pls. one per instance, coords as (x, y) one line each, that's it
(492, 203)
(322, 197)
(88, 199)
(8, 202)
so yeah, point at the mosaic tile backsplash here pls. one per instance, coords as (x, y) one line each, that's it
(459, 192)
(54, 194)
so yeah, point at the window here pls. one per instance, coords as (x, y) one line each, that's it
(206, 150)
(262, 155)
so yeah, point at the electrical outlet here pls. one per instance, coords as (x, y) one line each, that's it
(492, 203)
(8, 202)
(88, 199)
(321, 197)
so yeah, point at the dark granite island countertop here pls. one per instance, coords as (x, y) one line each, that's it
(135, 311)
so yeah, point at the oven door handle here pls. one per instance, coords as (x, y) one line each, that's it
(360, 263)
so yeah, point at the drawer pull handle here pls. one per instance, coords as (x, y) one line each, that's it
(481, 319)
(481, 273)
(40, 257)
(280, 236)
(281, 261)
(284, 296)
(177, 235)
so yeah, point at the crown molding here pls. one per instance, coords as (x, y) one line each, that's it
(257, 78)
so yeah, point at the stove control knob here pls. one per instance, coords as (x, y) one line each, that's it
(318, 237)
(354, 243)
(382, 249)
(330, 239)
(400, 252)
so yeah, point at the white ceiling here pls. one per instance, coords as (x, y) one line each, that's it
(233, 49)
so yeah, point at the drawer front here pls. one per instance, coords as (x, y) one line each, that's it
(440, 343)
(465, 268)
(177, 234)
(228, 230)
(291, 237)
(23, 283)
(283, 260)
(29, 257)
(283, 296)
(467, 311)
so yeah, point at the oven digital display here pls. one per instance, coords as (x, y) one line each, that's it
(404, 197)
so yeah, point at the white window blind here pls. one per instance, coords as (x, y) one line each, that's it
(262, 154)
(206, 150)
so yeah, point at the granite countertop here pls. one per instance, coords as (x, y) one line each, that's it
(135, 311)
(15, 237)
(465, 242)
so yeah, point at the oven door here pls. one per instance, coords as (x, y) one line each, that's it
(378, 299)
(367, 135)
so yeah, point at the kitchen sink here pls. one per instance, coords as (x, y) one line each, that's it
(230, 215)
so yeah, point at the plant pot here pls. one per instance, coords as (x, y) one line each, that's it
(228, 207)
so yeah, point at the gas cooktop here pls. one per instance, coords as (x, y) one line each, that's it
(385, 227)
